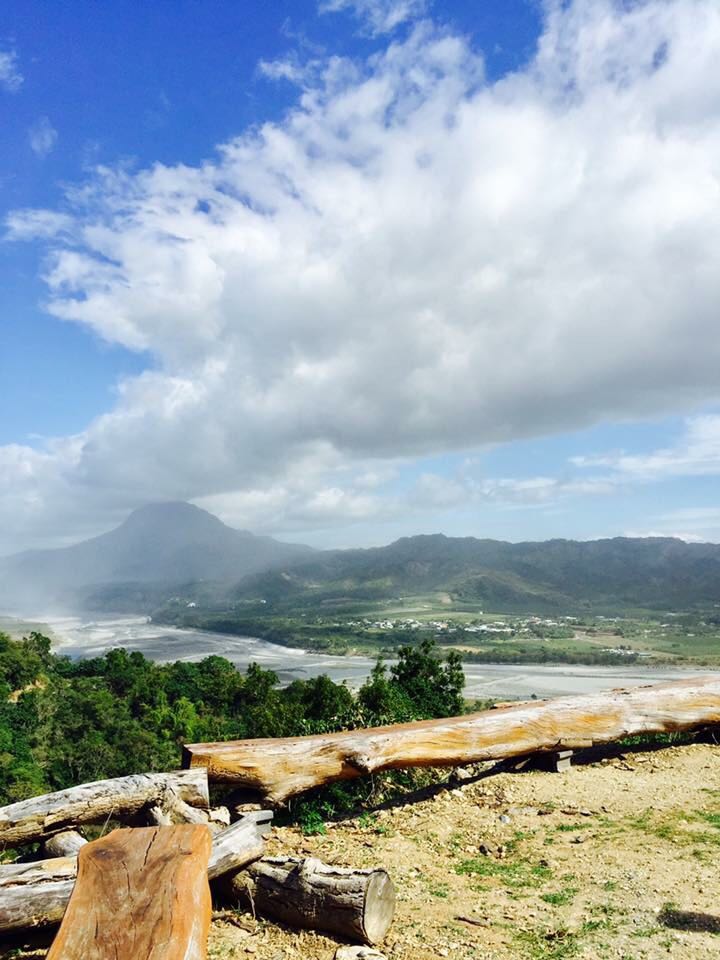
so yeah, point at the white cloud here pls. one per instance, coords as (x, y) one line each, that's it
(696, 453)
(414, 261)
(10, 77)
(379, 16)
(43, 137)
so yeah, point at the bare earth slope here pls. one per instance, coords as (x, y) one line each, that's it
(618, 859)
(613, 859)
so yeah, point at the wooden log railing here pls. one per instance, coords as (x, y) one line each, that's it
(279, 769)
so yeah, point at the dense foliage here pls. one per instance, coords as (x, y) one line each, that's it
(64, 722)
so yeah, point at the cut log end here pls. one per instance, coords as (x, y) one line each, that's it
(135, 890)
(379, 907)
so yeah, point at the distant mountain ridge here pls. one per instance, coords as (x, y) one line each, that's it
(176, 547)
(549, 575)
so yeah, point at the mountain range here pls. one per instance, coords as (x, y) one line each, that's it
(167, 548)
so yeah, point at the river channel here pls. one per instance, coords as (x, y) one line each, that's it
(85, 638)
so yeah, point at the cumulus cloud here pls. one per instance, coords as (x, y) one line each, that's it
(43, 137)
(415, 260)
(10, 77)
(379, 16)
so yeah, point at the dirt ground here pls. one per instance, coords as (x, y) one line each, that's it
(616, 859)
(612, 859)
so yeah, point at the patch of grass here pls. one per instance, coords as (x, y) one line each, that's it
(553, 944)
(366, 820)
(512, 873)
(439, 890)
(570, 827)
(560, 898)
(311, 822)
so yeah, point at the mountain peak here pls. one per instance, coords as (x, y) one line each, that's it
(171, 512)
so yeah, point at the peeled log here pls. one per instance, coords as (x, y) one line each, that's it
(139, 893)
(51, 813)
(281, 768)
(66, 844)
(356, 904)
(235, 847)
(37, 894)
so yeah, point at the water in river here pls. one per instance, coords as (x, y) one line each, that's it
(79, 638)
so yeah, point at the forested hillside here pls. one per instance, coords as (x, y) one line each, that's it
(66, 722)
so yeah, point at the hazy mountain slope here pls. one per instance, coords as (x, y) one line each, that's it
(160, 543)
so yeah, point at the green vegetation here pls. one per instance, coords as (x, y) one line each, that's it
(514, 873)
(65, 722)
(372, 627)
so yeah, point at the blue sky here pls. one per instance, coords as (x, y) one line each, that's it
(347, 272)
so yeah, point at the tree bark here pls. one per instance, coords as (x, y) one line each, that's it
(356, 904)
(139, 893)
(281, 768)
(51, 813)
(37, 894)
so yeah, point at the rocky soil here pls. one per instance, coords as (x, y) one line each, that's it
(612, 859)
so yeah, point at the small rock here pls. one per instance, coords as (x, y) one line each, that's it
(358, 953)
(504, 818)
(461, 775)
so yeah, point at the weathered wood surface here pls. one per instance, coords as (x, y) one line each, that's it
(140, 893)
(281, 768)
(40, 817)
(357, 904)
(235, 847)
(37, 894)
(65, 844)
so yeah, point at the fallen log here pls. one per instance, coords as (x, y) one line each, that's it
(235, 847)
(356, 904)
(139, 893)
(281, 768)
(66, 844)
(51, 813)
(37, 894)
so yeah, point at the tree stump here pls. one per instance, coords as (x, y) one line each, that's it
(140, 894)
(356, 904)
